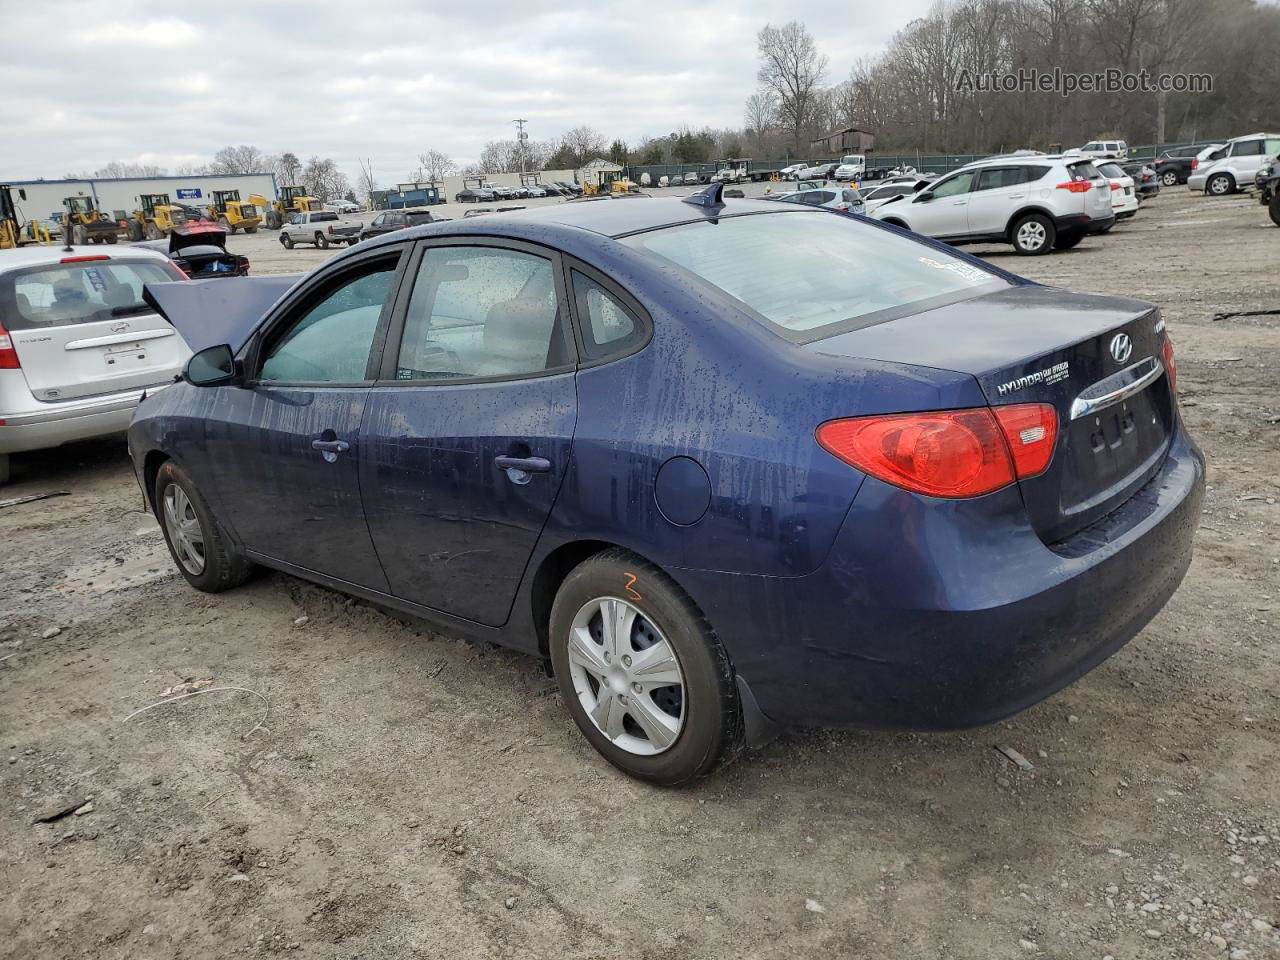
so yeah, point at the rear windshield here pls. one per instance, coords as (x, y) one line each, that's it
(866, 274)
(420, 218)
(1111, 170)
(64, 294)
(1083, 170)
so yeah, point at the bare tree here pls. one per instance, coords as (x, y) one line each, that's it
(122, 168)
(324, 179)
(241, 159)
(434, 165)
(367, 182)
(761, 111)
(791, 68)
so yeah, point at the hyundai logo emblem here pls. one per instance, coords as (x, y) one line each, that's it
(1121, 347)
(120, 327)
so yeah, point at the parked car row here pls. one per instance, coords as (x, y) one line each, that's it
(489, 192)
(1234, 165)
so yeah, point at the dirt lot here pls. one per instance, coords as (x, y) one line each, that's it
(412, 795)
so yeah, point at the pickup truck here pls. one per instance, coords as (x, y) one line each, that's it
(319, 227)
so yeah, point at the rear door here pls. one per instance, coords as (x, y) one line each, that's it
(995, 197)
(468, 433)
(81, 329)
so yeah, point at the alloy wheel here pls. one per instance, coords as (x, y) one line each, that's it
(626, 676)
(183, 527)
(1170, 178)
(1032, 235)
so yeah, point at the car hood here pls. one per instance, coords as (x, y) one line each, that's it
(211, 312)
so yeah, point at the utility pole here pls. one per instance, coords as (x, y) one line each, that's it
(521, 139)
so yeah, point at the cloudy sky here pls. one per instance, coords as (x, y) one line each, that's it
(154, 81)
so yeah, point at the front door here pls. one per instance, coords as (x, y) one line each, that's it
(468, 436)
(283, 448)
(946, 212)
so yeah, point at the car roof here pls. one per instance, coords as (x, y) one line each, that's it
(1252, 136)
(36, 256)
(608, 219)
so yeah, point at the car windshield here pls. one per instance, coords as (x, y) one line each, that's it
(867, 274)
(63, 294)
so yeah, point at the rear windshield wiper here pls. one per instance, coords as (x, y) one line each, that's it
(130, 310)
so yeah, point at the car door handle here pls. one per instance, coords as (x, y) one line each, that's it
(329, 449)
(527, 464)
(1017, 196)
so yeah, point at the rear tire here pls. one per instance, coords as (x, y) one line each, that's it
(250, 229)
(322, 242)
(1067, 241)
(1274, 209)
(203, 553)
(112, 238)
(135, 231)
(1220, 184)
(4, 469)
(700, 710)
(272, 220)
(1033, 235)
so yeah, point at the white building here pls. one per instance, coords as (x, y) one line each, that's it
(44, 197)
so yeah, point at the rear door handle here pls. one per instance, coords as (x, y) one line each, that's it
(330, 449)
(519, 468)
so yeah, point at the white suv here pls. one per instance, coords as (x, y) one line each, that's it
(1104, 150)
(78, 345)
(1236, 169)
(1037, 204)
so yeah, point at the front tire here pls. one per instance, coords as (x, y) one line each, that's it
(1220, 184)
(286, 241)
(1033, 235)
(1067, 241)
(204, 554)
(642, 672)
(1274, 209)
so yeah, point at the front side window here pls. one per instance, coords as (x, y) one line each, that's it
(331, 340)
(481, 312)
(865, 274)
(955, 185)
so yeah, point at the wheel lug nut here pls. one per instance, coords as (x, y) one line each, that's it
(626, 661)
(636, 687)
(607, 658)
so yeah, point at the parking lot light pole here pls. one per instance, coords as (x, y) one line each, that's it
(521, 139)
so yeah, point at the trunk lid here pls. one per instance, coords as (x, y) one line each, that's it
(1096, 359)
(81, 328)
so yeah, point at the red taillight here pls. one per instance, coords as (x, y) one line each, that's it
(1031, 431)
(1170, 366)
(1114, 185)
(1076, 186)
(1195, 162)
(842, 207)
(84, 259)
(8, 355)
(948, 453)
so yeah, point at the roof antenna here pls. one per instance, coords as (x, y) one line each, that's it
(710, 197)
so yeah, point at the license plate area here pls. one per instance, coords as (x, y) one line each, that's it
(125, 355)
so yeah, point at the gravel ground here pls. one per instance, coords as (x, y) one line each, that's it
(413, 795)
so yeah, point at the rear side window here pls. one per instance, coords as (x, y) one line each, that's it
(608, 327)
(865, 275)
(322, 215)
(65, 294)
(1246, 148)
(997, 177)
(481, 312)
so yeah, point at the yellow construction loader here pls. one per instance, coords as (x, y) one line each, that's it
(155, 217)
(235, 214)
(83, 223)
(292, 200)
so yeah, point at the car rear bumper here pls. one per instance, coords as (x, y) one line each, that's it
(1073, 222)
(54, 424)
(934, 614)
(1196, 181)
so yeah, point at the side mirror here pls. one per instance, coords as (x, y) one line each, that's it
(923, 197)
(212, 367)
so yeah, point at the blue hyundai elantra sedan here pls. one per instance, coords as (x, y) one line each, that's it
(725, 465)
